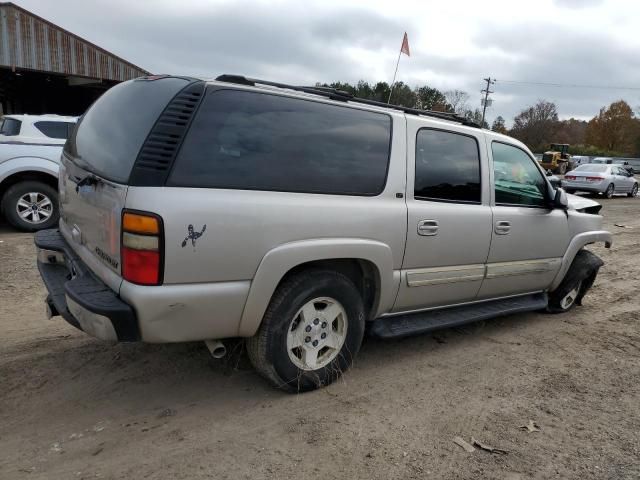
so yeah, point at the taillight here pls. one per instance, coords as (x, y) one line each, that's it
(594, 179)
(569, 177)
(142, 247)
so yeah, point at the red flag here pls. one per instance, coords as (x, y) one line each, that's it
(405, 45)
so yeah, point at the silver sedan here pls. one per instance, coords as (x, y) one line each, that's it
(600, 178)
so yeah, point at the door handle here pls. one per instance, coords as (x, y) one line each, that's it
(502, 227)
(428, 228)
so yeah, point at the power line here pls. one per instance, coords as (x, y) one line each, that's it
(568, 85)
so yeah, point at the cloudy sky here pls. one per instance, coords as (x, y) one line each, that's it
(454, 44)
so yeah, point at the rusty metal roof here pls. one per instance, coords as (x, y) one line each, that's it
(30, 42)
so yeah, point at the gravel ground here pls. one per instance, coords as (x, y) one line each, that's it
(72, 407)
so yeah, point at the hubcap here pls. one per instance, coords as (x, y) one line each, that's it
(34, 207)
(318, 331)
(570, 298)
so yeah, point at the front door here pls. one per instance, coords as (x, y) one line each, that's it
(449, 217)
(529, 237)
(623, 181)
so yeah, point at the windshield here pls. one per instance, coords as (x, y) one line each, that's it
(590, 167)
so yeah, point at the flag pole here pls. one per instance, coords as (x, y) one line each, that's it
(394, 75)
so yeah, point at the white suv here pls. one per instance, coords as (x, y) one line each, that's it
(30, 148)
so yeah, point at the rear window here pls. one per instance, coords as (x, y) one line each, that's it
(10, 127)
(591, 167)
(59, 130)
(110, 134)
(256, 141)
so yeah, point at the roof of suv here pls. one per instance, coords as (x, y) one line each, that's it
(341, 96)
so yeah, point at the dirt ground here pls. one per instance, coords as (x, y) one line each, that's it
(72, 407)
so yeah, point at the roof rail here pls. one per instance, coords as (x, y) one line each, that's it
(341, 95)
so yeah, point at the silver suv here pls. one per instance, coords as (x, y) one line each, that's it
(299, 218)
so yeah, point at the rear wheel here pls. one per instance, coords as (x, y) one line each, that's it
(562, 168)
(634, 191)
(310, 332)
(608, 193)
(31, 206)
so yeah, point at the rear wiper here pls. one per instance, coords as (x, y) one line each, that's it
(88, 180)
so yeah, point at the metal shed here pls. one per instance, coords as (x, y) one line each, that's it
(47, 69)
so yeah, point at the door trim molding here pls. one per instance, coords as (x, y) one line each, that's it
(523, 267)
(421, 277)
(440, 275)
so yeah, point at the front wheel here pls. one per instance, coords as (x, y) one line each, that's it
(608, 193)
(310, 332)
(31, 206)
(634, 191)
(576, 283)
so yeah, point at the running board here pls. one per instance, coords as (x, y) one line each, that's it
(398, 326)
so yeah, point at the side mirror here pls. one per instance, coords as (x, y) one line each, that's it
(560, 200)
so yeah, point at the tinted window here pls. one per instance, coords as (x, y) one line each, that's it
(10, 127)
(518, 181)
(255, 141)
(110, 134)
(54, 129)
(447, 167)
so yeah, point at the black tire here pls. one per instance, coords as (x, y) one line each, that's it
(267, 349)
(15, 193)
(634, 191)
(576, 283)
(609, 191)
(562, 168)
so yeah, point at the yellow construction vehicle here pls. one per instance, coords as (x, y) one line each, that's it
(557, 158)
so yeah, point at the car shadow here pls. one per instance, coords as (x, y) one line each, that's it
(127, 377)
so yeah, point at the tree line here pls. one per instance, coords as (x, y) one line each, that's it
(614, 131)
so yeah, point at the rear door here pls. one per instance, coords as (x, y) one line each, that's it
(449, 217)
(97, 162)
(528, 237)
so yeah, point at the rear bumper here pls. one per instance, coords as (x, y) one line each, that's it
(78, 296)
(582, 187)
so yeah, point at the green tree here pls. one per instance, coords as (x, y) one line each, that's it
(431, 99)
(499, 125)
(476, 116)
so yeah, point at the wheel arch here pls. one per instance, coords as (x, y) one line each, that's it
(28, 168)
(366, 262)
(577, 243)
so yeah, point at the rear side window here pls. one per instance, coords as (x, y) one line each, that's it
(10, 127)
(109, 135)
(55, 129)
(256, 141)
(447, 167)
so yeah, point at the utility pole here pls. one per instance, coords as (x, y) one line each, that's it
(486, 92)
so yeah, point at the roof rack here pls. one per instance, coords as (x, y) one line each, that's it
(341, 95)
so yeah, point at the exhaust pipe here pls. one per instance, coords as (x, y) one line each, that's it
(216, 348)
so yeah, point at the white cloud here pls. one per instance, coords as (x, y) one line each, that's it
(454, 44)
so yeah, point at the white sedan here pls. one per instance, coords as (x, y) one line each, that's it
(600, 178)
